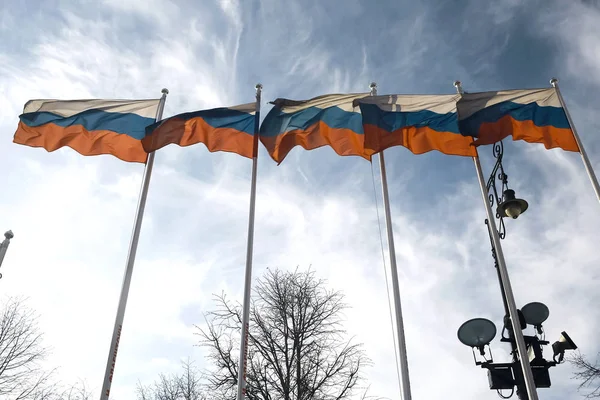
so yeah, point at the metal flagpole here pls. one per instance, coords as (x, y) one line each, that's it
(137, 226)
(406, 394)
(241, 382)
(508, 292)
(584, 157)
(4, 246)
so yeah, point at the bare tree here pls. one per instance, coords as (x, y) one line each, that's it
(21, 353)
(77, 391)
(183, 386)
(588, 373)
(297, 348)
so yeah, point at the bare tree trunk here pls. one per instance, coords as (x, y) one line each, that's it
(298, 372)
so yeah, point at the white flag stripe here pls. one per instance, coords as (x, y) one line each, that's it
(68, 108)
(343, 101)
(441, 104)
(249, 108)
(473, 102)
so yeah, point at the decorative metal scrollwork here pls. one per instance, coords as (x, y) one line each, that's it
(495, 196)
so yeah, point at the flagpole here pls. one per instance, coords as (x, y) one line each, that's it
(241, 381)
(404, 376)
(137, 226)
(4, 246)
(508, 292)
(584, 157)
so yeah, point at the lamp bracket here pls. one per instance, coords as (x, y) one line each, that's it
(482, 352)
(495, 197)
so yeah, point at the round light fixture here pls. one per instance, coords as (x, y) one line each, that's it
(535, 313)
(511, 206)
(477, 332)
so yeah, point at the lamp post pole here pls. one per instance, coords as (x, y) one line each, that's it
(479, 332)
(499, 174)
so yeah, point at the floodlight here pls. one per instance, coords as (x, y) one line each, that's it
(477, 332)
(511, 206)
(563, 344)
(535, 313)
(501, 377)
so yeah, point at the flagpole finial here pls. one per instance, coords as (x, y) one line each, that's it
(165, 91)
(553, 81)
(458, 86)
(373, 87)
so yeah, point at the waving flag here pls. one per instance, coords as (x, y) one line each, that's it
(90, 127)
(420, 123)
(331, 120)
(228, 129)
(535, 116)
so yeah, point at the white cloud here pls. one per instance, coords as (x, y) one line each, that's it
(160, 12)
(575, 31)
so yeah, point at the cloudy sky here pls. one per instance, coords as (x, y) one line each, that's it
(72, 215)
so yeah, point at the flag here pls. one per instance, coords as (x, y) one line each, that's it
(325, 120)
(90, 127)
(535, 116)
(220, 129)
(420, 123)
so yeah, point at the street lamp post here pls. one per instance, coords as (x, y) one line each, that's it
(4, 246)
(479, 332)
(519, 207)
